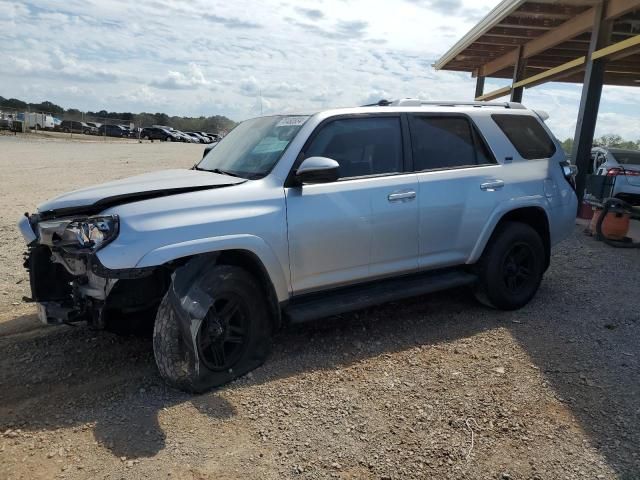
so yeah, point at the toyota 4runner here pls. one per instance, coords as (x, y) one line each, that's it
(294, 217)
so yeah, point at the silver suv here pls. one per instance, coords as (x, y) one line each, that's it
(622, 167)
(292, 218)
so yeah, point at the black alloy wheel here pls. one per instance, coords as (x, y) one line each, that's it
(223, 335)
(517, 268)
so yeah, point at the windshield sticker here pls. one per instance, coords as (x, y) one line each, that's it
(291, 121)
(270, 145)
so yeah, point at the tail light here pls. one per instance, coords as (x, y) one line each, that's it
(614, 172)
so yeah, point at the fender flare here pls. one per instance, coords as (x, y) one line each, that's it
(536, 201)
(251, 243)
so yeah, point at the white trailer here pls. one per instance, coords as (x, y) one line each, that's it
(41, 121)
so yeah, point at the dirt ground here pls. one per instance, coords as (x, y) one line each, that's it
(434, 387)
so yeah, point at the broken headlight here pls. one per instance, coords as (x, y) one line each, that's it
(86, 234)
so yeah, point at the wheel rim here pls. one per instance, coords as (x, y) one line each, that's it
(518, 268)
(223, 335)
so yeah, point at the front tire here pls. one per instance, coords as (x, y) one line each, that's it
(233, 338)
(511, 268)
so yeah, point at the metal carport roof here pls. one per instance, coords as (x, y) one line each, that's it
(548, 34)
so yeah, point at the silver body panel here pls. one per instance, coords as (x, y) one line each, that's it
(605, 159)
(317, 237)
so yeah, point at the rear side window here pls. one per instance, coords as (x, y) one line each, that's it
(445, 142)
(527, 135)
(362, 146)
(627, 158)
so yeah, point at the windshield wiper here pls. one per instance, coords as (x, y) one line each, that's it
(222, 172)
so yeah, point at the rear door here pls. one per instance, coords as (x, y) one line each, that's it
(365, 224)
(460, 185)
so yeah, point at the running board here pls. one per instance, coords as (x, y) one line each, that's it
(313, 306)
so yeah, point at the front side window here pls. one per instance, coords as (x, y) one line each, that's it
(362, 146)
(442, 142)
(527, 135)
(253, 148)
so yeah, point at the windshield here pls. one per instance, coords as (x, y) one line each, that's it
(252, 148)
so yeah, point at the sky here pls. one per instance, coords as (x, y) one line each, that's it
(244, 58)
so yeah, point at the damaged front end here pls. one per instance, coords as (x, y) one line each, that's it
(68, 282)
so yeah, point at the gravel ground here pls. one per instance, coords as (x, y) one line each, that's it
(434, 387)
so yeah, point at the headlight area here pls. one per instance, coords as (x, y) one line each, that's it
(69, 283)
(80, 235)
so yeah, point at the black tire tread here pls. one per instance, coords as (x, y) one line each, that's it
(174, 362)
(499, 240)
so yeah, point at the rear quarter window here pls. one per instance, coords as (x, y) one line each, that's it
(527, 135)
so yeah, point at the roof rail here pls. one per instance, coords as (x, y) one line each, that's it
(414, 102)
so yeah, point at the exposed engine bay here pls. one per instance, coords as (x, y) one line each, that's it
(68, 282)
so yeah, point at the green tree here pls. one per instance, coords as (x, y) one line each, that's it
(567, 145)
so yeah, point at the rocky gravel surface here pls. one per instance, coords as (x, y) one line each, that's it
(434, 387)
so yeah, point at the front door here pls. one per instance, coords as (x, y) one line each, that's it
(365, 224)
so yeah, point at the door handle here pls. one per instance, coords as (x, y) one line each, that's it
(492, 186)
(402, 196)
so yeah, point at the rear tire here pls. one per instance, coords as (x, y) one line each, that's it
(233, 339)
(511, 268)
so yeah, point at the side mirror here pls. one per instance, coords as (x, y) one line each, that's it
(318, 170)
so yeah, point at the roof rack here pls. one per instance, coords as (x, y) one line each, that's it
(414, 102)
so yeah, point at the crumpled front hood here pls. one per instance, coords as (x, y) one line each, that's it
(94, 199)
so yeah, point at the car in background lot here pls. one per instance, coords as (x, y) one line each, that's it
(94, 124)
(624, 166)
(112, 131)
(73, 126)
(201, 138)
(184, 137)
(6, 123)
(178, 136)
(292, 218)
(159, 133)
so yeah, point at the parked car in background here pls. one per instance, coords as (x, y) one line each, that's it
(112, 131)
(209, 138)
(624, 167)
(184, 137)
(94, 124)
(73, 126)
(292, 218)
(201, 138)
(129, 132)
(178, 136)
(159, 133)
(6, 123)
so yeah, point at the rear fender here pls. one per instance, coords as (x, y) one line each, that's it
(537, 201)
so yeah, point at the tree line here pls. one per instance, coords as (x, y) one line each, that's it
(609, 141)
(213, 124)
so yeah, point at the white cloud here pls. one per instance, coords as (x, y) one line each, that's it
(208, 57)
(177, 80)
